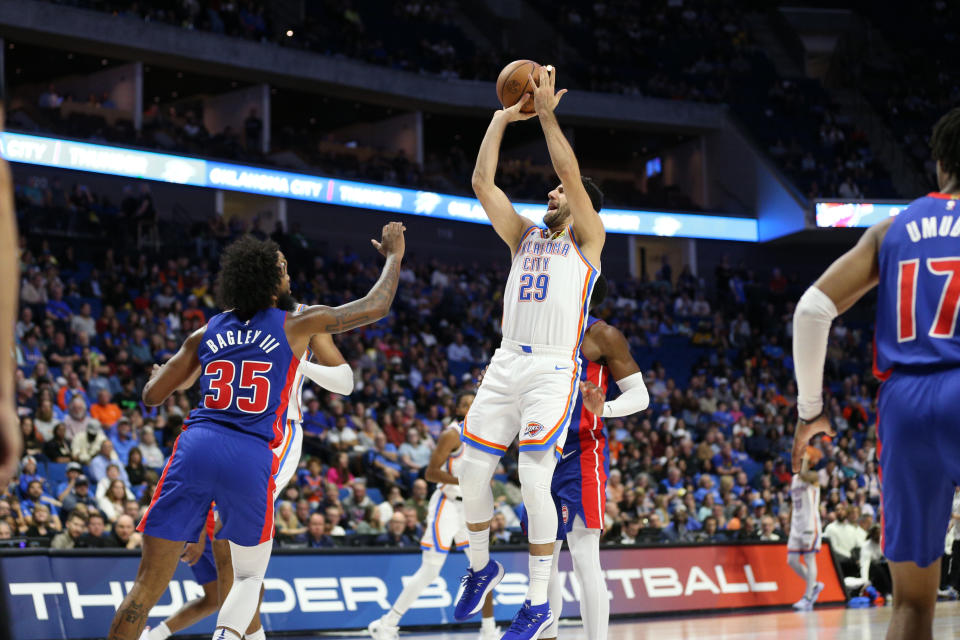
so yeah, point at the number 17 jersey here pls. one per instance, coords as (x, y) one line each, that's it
(247, 371)
(548, 291)
(919, 290)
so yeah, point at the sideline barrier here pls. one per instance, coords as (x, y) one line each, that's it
(55, 595)
(177, 169)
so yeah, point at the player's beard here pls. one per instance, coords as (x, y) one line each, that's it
(285, 302)
(556, 217)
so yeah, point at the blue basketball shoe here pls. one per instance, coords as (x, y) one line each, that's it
(476, 586)
(529, 622)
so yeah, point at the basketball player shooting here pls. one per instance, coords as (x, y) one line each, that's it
(914, 260)
(580, 480)
(531, 385)
(805, 539)
(247, 359)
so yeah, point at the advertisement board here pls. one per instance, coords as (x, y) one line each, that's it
(63, 595)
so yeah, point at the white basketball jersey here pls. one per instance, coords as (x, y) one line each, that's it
(806, 506)
(548, 291)
(294, 410)
(453, 467)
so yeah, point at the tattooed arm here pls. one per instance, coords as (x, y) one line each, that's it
(367, 310)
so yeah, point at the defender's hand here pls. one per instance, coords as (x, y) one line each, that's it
(802, 435)
(545, 96)
(593, 398)
(391, 240)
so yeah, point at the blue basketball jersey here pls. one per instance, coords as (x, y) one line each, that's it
(248, 370)
(919, 287)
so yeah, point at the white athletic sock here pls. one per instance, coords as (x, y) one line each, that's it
(225, 634)
(479, 549)
(423, 578)
(159, 632)
(540, 567)
(392, 618)
(256, 635)
(488, 624)
(810, 559)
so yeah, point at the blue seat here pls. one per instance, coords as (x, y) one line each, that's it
(375, 496)
(56, 473)
(344, 493)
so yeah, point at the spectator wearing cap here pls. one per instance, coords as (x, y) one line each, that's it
(105, 411)
(123, 438)
(28, 473)
(64, 488)
(57, 448)
(77, 417)
(72, 533)
(87, 444)
(79, 494)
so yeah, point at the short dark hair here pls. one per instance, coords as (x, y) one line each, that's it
(96, 514)
(945, 142)
(249, 277)
(599, 292)
(596, 195)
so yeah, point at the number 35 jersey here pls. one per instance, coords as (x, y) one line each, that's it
(247, 371)
(919, 289)
(548, 291)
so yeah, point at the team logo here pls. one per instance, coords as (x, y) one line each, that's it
(532, 430)
(564, 513)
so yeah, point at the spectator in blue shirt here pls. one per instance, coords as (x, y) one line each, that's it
(723, 416)
(707, 486)
(314, 420)
(106, 457)
(316, 536)
(123, 438)
(35, 496)
(673, 483)
(682, 526)
(31, 353)
(58, 310)
(29, 474)
(386, 458)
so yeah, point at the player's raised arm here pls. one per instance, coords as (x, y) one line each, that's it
(508, 224)
(179, 372)
(368, 309)
(615, 352)
(843, 283)
(586, 221)
(447, 443)
(328, 368)
(11, 441)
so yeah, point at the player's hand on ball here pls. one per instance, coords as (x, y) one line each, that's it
(545, 96)
(804, 432)
(514, 113)
(593, 398)
(391, 240)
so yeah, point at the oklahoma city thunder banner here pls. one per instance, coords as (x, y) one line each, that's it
(59, 595)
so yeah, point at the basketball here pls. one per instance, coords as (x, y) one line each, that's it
(513, 83)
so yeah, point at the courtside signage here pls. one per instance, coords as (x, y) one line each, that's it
(119, 161)
(62, 596)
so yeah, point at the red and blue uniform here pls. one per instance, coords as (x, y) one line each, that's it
(917, 355)
(580, 480)
(225, 452)
(205, 569)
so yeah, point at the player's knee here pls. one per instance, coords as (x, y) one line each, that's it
(476, 471)
(432, 564)
(536, 474)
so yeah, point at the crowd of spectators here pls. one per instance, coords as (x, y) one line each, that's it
(691, 50)
(708, 461)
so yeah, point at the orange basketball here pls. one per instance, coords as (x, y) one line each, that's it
(514, 82)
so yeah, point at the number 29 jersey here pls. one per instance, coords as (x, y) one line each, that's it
(247, 371)
(919, 289)
(548, 291)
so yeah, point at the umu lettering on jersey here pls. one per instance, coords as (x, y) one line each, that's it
(225, 339)
(933, 227)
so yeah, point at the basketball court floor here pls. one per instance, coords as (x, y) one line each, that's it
(834, 623)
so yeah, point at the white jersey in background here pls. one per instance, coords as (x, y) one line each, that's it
(452, 466)
(290, 447)
(805, 529)
(548, 291)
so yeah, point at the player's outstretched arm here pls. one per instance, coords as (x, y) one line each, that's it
(586, 221)
(508, 224)
(843, 283)
(329, 368)
(368, 309)
(179, 372)
(615, 351)
(11, 442)
(447, 443)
